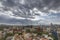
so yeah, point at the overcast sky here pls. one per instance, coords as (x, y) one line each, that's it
(28, 12)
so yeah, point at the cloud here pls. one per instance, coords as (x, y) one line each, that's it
(33, 11)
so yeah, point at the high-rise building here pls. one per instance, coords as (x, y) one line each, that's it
(58, 33)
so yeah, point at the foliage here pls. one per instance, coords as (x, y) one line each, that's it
(28, 30)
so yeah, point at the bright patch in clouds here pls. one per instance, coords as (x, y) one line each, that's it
(54, 11)
(1, 4)
(22, 2)
(36, 11)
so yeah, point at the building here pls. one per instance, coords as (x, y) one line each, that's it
(1, 35)
(58, 33)
(44, 29)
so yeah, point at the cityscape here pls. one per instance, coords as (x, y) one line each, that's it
(29, 19)
(38, 32)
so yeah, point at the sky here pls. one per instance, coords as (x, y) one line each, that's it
(29, 12)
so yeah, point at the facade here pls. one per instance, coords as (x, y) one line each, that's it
(1, 35)
(58, 33)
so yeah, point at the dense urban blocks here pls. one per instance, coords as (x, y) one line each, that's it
(27, 33)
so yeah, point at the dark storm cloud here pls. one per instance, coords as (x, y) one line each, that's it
(29, 4)
(8, 3)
